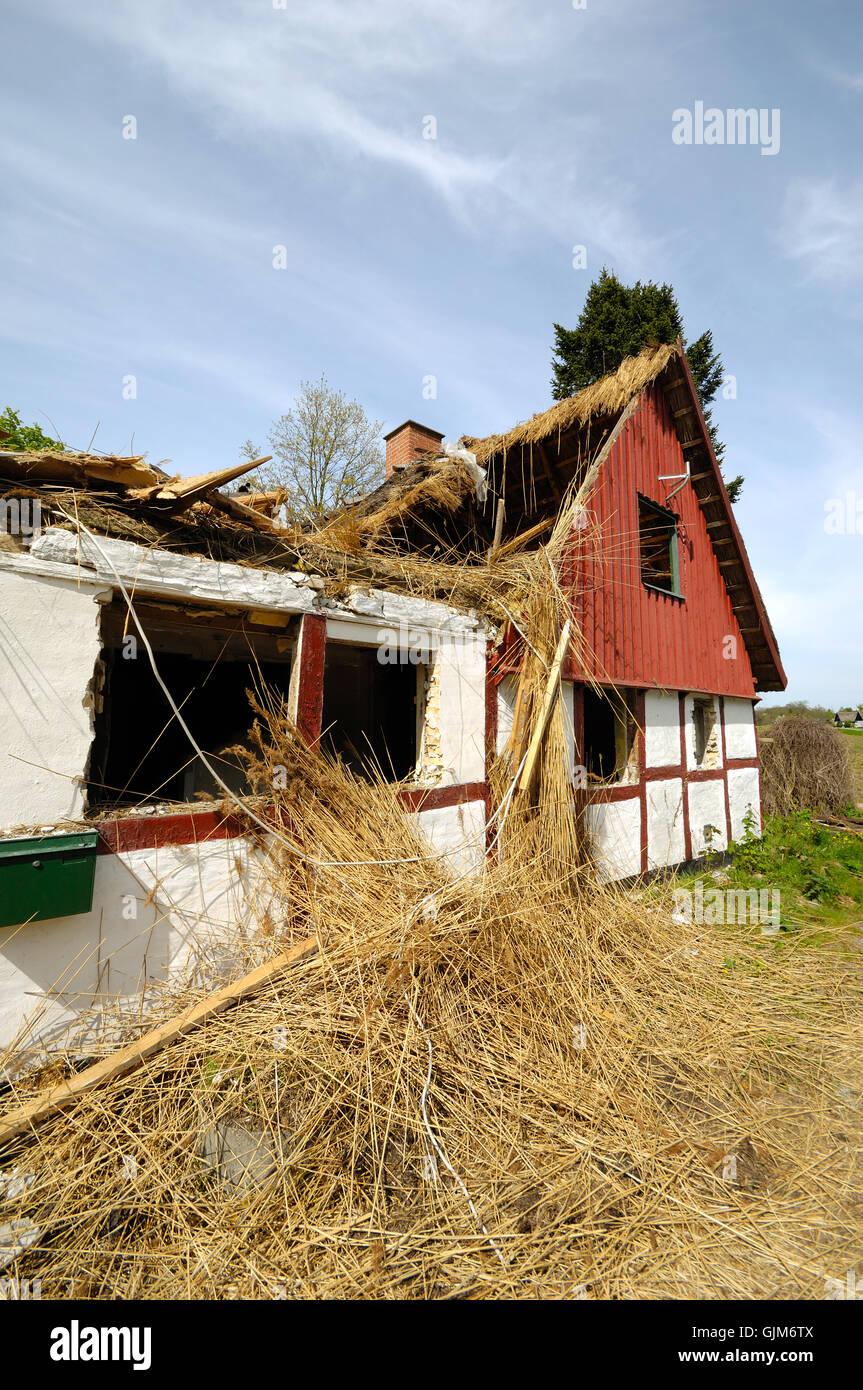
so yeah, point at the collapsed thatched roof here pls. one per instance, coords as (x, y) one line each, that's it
(606, 397)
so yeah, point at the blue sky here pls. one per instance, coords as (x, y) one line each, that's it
(407, 257)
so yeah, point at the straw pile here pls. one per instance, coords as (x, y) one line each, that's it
(803, 764)
(514, 1085)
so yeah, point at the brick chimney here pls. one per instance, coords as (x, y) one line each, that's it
(406, 441)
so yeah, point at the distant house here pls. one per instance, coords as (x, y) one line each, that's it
(848, 719)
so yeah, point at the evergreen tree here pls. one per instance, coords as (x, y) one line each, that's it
(617, 321)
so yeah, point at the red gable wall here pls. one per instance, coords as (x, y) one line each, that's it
(637, 636)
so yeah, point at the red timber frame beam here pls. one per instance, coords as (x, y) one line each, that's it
(306, 696)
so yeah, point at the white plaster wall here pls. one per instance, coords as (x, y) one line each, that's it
(567, 703)
(740, 729)
(177, 575)
(615, 833)
(507, 692)
(457, 833)
(156, 913)
(707, 807)
(666, 841)
(49, 645)
(661, 728)
(461, 668)
(743, 795)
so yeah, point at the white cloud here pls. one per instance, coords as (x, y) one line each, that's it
(822, 228)
(349, 85)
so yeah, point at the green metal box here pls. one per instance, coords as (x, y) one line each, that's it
(51, 877)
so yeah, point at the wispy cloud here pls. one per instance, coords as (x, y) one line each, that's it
(350, 86)
(822, 229)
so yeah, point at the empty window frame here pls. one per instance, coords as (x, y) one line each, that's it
(209, 663)
(609, 736)
(658, 547)
(371, 711)
(705, 732)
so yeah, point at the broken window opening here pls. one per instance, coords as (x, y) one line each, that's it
(609, 735)
(705, 735)
(658, 547)
(371, 711)
(209, 662)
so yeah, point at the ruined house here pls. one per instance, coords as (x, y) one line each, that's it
(119, 862)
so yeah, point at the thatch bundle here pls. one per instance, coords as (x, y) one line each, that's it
(606, 397)
(803, 764)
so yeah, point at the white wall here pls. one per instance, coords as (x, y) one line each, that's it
(156, 912)
(461, 668)
(615, 833)
(661, 728)
(743, 796)
(457, 833)
(739, 729)
(707, 807)
(49, 645)
(666, 843)
(567, 700)
(507, 692)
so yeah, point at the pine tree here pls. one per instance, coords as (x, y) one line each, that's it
(617, 321)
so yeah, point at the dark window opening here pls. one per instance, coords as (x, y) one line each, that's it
(370, 712)
(141, 753)
(657, 540)
(609, 734)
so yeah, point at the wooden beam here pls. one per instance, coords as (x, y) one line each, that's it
(552, 690)
(551, 480)
(239, 511)
(189, 490)
(524, 536)
(128, 1059)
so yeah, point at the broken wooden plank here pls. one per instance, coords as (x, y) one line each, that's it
(129, 1058)
(80, 470)
(524, 536)
(189, 490)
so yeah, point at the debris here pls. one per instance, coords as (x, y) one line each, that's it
(16, 1237)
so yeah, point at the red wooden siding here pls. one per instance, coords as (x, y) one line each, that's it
(632, 634)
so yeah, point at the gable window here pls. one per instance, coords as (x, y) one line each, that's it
(658, 547)
(609, 736)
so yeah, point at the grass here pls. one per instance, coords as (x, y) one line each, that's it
(817, 872)
(852, 742)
